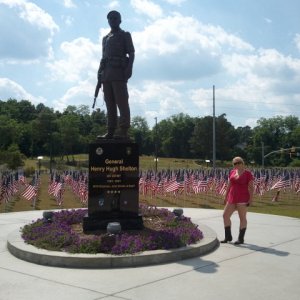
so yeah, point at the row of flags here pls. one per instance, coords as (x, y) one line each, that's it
(13, 183)
(164, 182)
(56, 188)
(203, 180)
(10, 184)
(76, 180)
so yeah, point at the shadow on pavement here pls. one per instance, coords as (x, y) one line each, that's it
(200, 265)
(264, 249)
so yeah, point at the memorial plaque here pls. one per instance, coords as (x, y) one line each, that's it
(113, 185)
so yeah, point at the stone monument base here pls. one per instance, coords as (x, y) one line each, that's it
(92, 223)
(113, 185)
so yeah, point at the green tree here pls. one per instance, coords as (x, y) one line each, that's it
(202, 138)
(275, 133)
(243, 135)
(295, 137)
(243, 147)
(9, 132)
(174, 134)
(226, 138)
(22, 111)
(141, 134)
(42, 128)
(12, 157)
(25, 141)
(182, 132)
(69, 133)
(98, 124)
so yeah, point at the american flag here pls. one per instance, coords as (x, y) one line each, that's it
(282, 183)
(5, 190)
(172, 186)
(52, 183)
(8, 187)
(31, 189)
(58, 193)
(30, 192)
(83, 191)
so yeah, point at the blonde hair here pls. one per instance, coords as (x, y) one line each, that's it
(239, 159)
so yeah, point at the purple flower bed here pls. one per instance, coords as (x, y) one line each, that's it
(163, 230)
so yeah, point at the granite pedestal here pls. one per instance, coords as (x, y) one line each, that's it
(113, 185)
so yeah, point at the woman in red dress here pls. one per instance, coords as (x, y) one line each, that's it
(238, 197)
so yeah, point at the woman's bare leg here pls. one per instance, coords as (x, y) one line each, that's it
(242, 211)
(228, 211)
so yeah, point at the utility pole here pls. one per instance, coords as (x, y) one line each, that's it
(155, 144)
(262, 154)
(50, 159)
(214, 130)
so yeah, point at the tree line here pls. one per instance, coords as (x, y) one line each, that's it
(27, 130)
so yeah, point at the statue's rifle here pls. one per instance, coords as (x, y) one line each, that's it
(98, 86)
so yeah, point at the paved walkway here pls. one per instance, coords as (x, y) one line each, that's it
(266, 267)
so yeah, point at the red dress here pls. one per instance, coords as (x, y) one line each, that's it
(239, 192)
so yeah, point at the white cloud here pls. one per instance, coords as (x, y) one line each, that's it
(183, 48)
(248, 98)
(297, 41)
(202, 98)
(175, 2)
(76, 95)
(81, 60)
(113, 5)
(251, 122)
(259, 83)
(269, 66)
(26, 31)
(155, 99)
(265, 84)
(148, 8)
(11, 89)
(176, 33)
(267, 20)
(32, 14)
(69, 4)
(68, 20)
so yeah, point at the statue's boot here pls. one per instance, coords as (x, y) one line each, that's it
(123, 134)
(108, 135)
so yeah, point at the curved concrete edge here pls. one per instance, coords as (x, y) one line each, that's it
(21, 250)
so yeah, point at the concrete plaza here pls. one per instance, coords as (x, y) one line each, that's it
(267, 266)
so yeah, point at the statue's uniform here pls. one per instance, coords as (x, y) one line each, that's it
(115, 47)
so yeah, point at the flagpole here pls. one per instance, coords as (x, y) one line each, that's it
(155, 145)
(34, 199)
(214, 130)
(262, 155)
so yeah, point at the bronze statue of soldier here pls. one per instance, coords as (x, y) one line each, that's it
(114, 71)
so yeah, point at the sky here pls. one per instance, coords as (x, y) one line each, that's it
(249, 50)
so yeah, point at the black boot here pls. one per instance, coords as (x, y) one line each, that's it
(228, 236)
(108, 135)
(123, 134)
(241, 237)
